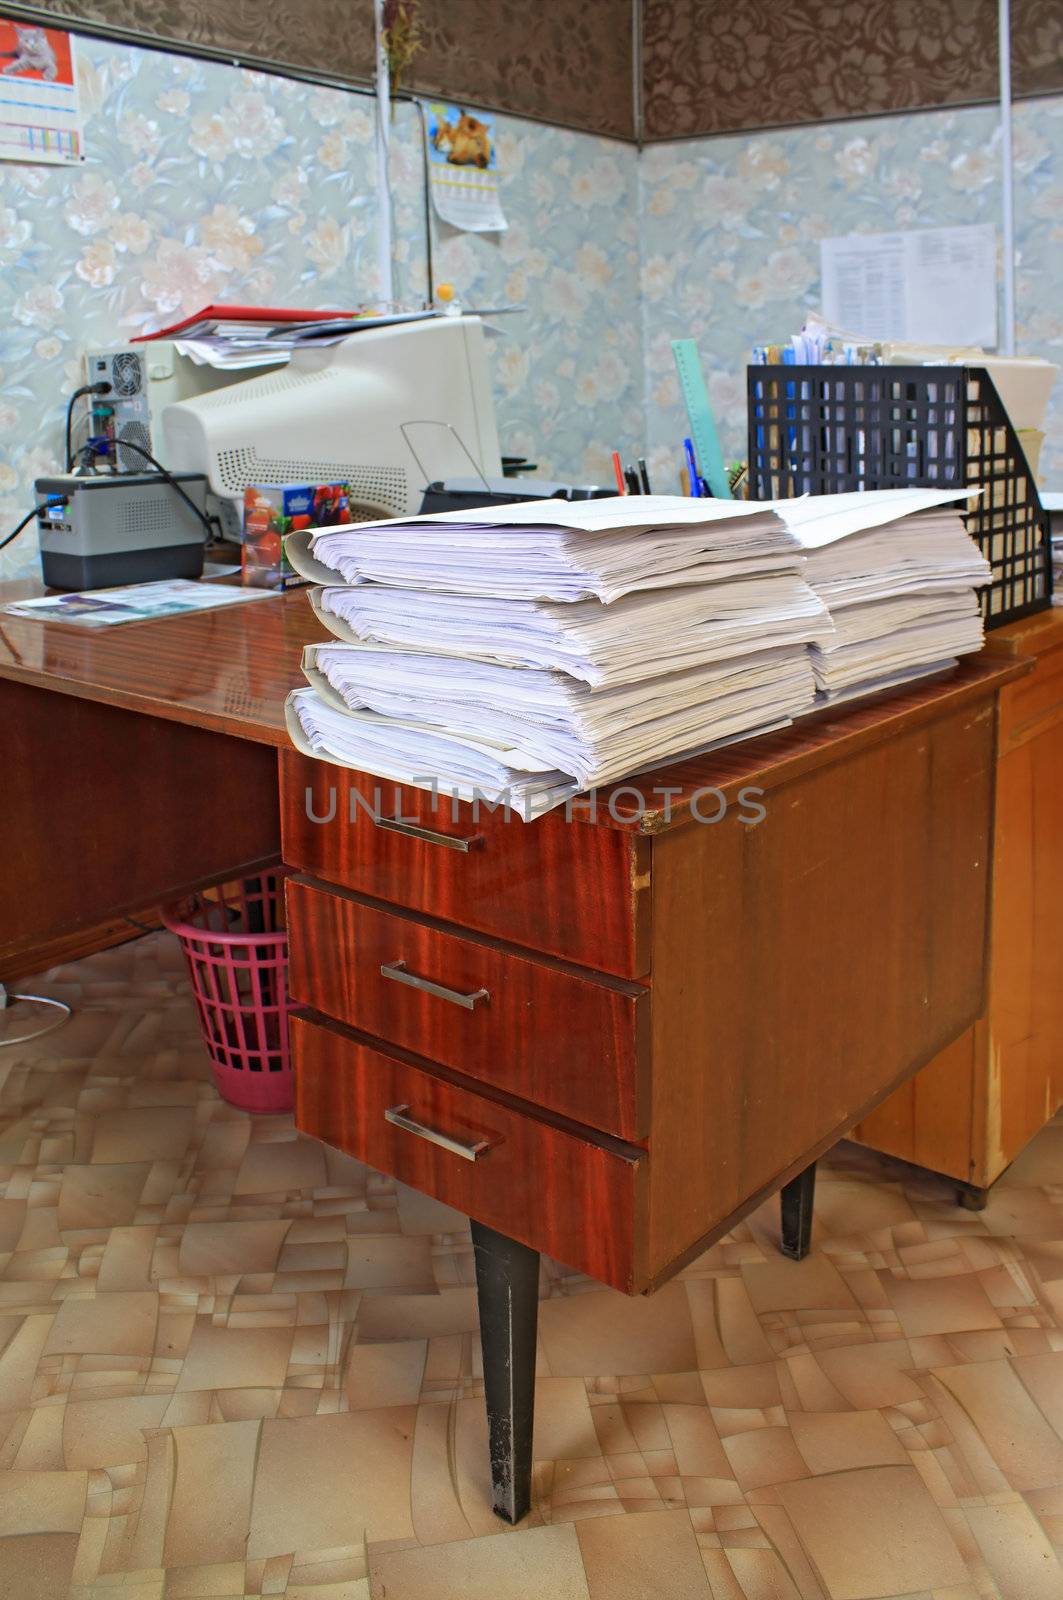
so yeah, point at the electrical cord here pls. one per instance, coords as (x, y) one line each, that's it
(28, 518)
(86, 388)
(37, 1000)
(127, 444)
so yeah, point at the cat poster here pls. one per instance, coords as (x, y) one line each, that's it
(40, 113)
(463, 164)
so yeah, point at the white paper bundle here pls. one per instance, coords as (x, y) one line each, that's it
(901, 589)
(594, 736)
(590, 549)
(639, 636)
(527, 652)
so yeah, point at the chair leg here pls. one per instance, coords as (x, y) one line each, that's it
(796, 1201)
(507, 1284)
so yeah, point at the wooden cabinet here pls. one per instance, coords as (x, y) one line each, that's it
(971, 1111)
(571, 1040)
(610, 1036)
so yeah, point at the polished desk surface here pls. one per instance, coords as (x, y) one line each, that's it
(228, 670)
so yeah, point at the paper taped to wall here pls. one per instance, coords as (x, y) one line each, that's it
(933, 284)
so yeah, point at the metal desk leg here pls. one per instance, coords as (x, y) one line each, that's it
(796, 1199)
(507, 1284)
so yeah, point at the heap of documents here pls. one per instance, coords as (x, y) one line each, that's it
(899, 575)
(526, 653)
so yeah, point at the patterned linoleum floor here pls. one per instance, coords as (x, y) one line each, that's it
(233, 1362)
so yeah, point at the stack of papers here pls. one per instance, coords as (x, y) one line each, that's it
(498, 655)
(655, 631)
(899, 574)
(589, 549)
(552, 723)
(501, 655)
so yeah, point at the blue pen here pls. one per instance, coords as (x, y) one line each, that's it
(692, 468)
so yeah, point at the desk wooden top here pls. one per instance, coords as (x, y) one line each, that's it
(231, 669)
(228, 669)
(1031, 636)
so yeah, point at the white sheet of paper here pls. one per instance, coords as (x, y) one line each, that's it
(928, 284)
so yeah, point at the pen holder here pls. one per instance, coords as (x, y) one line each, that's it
(236, 945)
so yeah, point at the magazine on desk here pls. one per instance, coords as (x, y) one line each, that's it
(136, 602)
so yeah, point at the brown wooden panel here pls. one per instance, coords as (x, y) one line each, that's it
(228, 669)
(84, 942)
(106, 811)
(559, 1038)
(803, 967)
(570, 62)
(972, 1110)
(571, 1196)
(557, 886)
(1034, 706)
(1024, 1065)
(838, 734)
(325, 36)
(930, 1120)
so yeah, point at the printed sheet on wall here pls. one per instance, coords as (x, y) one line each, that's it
(923, 285)
(40, 109)
(463, 167)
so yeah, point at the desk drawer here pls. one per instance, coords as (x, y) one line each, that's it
(569, 1042)
(562, 887)
(570, 1196)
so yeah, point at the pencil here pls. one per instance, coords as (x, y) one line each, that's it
(621, 486)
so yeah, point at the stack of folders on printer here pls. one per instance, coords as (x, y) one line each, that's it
(898, 572)
(524, 654)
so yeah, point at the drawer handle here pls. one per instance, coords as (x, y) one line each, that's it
(399, 1117)
(396, 970)
(413, 830)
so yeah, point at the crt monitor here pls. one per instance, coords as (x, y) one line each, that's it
(386, 411)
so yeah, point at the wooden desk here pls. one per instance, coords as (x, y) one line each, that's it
(138, 761)
(609, 1038)
(971, 1110)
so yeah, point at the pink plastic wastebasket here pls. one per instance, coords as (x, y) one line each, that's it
(236, 945)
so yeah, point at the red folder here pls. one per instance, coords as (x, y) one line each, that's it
(211, 315)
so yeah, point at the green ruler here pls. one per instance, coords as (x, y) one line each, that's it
(702, 427)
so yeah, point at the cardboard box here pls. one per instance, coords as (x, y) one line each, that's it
(271, 512)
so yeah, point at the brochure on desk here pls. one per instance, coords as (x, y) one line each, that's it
(137, 602)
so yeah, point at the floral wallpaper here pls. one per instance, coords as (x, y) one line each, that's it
(202, 182)
(711, 66)
(573, 66)
(333, 36)
(730, 231)
(568, 369)
(207, 182)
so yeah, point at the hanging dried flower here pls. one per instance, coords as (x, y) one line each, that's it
(401, 37)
